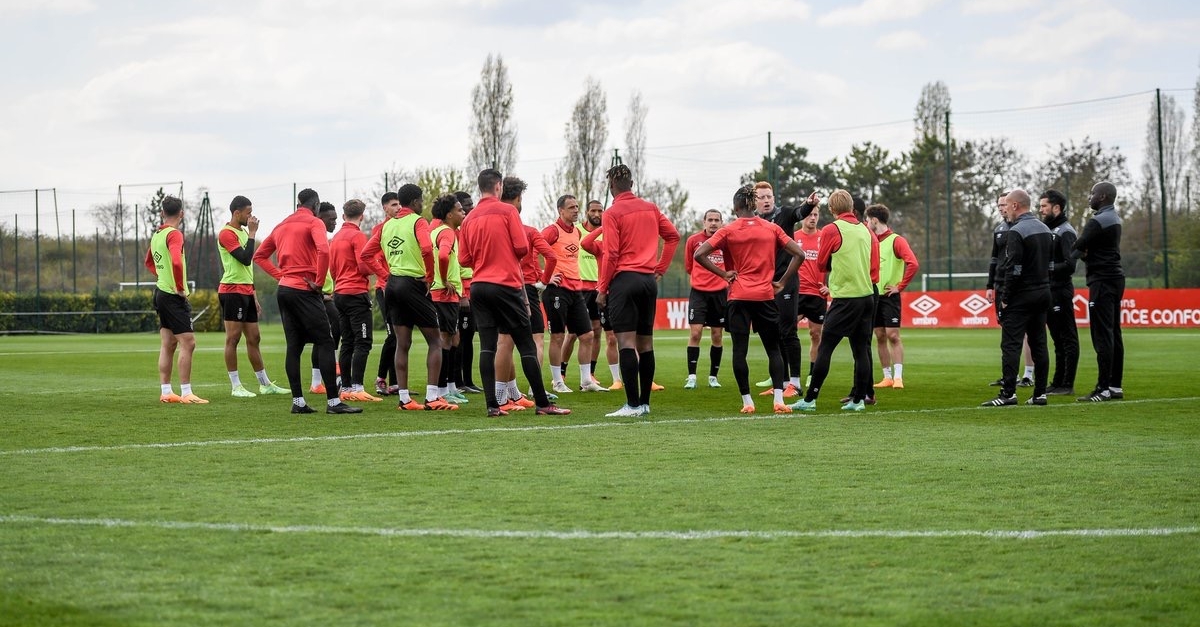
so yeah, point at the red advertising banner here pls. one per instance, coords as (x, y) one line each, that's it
(967, 309)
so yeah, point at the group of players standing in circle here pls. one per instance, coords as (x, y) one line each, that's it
(477, 269)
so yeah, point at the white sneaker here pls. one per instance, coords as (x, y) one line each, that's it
(690, 384)
(592, 386)
(713, 383)
(561, 387)
(645, 409)
(626, 412)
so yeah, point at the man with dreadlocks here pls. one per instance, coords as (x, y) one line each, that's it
(751, 243)
(628, 283)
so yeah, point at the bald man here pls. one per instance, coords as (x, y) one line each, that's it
(1099, 246)
(1024, 299)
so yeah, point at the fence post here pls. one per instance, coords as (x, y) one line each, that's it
(770, 163)
(1162, 190)
(37, 259)
(928, 211)
(949, 212)
(74, 256)
(16, 255)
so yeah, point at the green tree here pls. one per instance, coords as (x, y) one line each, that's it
(672, 200)
(868, 171)
(794, 175)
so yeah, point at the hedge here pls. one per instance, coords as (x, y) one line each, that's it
(128, 311)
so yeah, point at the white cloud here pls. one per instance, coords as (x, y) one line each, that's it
(994, 7)
(902, 40)
(876, 11)
(1061, 32)
(12, 8)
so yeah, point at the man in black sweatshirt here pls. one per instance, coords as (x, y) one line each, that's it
(785, 300)
(1099, 245)
(1024, 298)
(1061, 319)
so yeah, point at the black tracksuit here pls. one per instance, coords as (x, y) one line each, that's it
(1061, 318)
(995, 278)
(1025, 298)
(1099, 245)
(785, 300)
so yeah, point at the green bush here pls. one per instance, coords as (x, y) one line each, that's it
(129, 311)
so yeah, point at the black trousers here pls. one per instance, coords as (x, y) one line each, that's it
(1024, 316)
(849, 318)
(1104, 302)
(1061, 322)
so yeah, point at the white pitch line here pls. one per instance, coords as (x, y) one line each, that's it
(529, 428)
(584, 534)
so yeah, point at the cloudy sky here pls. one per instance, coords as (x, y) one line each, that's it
(251, 96)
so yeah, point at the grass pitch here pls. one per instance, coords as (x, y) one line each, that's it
(116, 510)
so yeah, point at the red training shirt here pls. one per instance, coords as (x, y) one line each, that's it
(632, 227)
(494, 241)
(811, 276)
(751, 244)
(531, 272)
(303, 251)
(701, 278)
(349, 272)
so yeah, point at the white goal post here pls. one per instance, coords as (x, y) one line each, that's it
(943, 275)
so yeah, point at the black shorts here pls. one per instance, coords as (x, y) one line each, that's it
(812, 307)
(174, 312)
(409, 304)
(238, 307)
(848, 317)
(354, 317)
(887, 311)
(566, 310)
(589, 296)
(537, 321)
(305, 320)
(761, 314)
(499, 307)
(632, 301)
(447, 314)
(708, 308)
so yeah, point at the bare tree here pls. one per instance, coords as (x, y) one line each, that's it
(672, 200)
(930, 115)
(493, 130)
(586, 136)
(635, 136)
(1174, 152)
(1074, 168)
(1195, 170)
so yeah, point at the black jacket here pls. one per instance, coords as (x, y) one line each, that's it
(999, 241)
(1062, 264)
(1026, 265)
(1100, 246)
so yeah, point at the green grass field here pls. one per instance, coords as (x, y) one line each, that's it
(923, 510)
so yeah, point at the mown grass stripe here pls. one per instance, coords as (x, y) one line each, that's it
(583, 534)
(531, 428)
